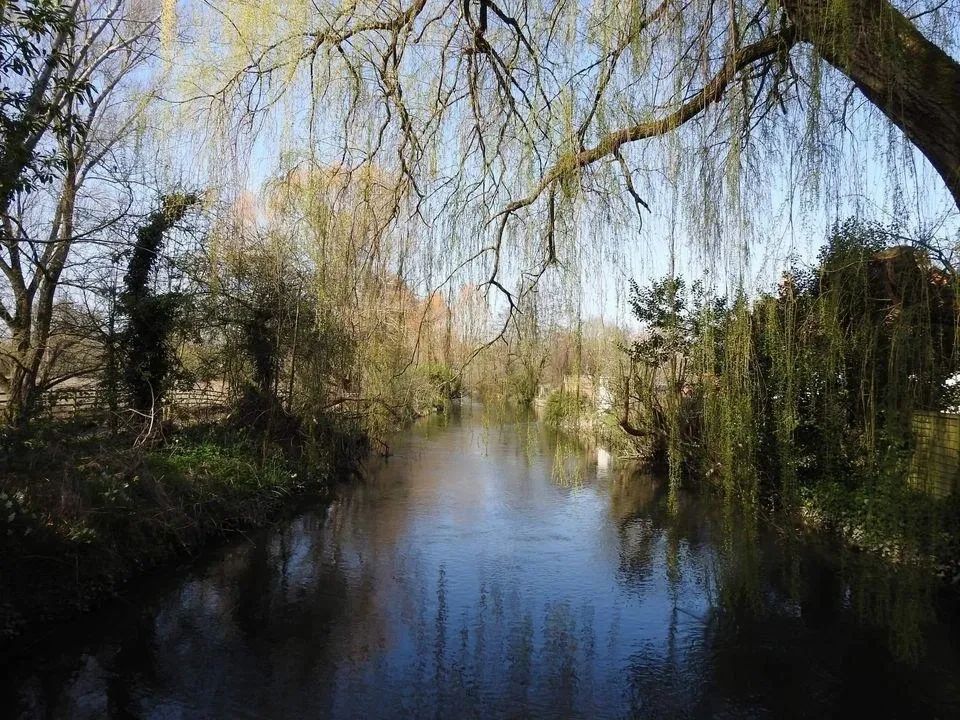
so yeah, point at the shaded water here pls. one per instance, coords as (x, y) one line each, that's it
(483, 571)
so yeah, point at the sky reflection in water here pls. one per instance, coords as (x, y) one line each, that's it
(480, 572)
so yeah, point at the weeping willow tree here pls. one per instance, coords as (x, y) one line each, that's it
(513, 127)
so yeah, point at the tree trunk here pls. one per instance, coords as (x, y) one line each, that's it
(34, 309)
(20, 394)
(913, 82)
(21, 398)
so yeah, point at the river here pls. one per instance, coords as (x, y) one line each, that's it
(486, 570)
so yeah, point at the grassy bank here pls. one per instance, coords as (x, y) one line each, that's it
(84, 511)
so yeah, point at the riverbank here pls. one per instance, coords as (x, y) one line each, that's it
(887, 517)
(85, 511)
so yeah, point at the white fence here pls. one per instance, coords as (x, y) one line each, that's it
(76, 401)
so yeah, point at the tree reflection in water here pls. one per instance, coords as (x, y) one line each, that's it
(488, 570)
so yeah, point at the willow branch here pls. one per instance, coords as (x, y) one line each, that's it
(610, 143)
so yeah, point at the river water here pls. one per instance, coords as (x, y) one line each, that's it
(485, 570)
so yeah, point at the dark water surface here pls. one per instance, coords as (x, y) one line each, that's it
(483, 571)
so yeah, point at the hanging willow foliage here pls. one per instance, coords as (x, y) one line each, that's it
(521, 139)
(816, 383)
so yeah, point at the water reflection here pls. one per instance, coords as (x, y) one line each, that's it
(487, 570)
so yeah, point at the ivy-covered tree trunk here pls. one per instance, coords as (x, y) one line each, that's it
(914, 82)
(150, 317)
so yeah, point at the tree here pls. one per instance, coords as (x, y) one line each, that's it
(74, 99)
(910, 79)
(509, 112)
(148, 358)
(658, 375)
(41, 85)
